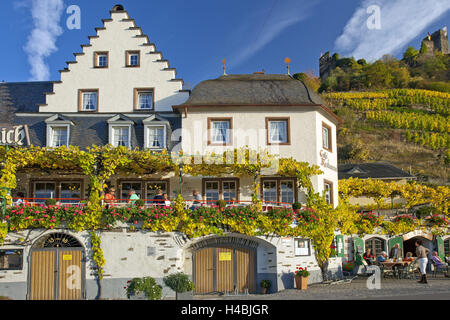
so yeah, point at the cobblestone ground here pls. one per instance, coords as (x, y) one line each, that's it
(437, 288)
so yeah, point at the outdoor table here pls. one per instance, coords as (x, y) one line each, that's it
(392, 264)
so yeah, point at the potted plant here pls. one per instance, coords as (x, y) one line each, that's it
(297, 206)
(301, 278)
(181, 284)
(265, 286)
(143, 288)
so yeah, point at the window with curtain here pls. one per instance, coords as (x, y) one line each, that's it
(278, 131)
(89, 101)
(145, 100)
(270, 191)
(58, 136)
(325, 137)
(328, 192)
(156, 137)
(287, 191)
(121, 136)
(220, 131)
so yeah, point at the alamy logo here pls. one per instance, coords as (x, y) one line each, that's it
(374, 281)
(374, 21)
(73, 281)
(74, 20)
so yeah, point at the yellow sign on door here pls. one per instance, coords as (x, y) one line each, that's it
(67, 257)
(224, 256)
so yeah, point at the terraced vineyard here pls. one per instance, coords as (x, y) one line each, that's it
(408, 127)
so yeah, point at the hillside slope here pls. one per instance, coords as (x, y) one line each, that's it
(407, 127)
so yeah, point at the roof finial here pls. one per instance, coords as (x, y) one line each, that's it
(224, 68)
(287, 61)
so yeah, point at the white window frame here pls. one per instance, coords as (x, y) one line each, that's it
(83, 107)
(147, 136)
(99, 56)
(286, 133)
(50, 132)
(112, 126)
(227, 137)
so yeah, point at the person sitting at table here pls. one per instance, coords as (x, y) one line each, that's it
(166, 200)
(110, 198)
(396, 252)
(439, 264)
(368, 257)
(409, 257)
(158, 199)
(382, 257)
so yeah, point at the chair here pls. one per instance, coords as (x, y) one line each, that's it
(409, 272)
(386, 271)
(437, 269)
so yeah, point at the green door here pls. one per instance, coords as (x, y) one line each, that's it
(340, 245)
(440, 248)
(358, 250)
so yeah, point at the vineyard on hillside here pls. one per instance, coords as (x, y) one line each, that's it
(408, 116)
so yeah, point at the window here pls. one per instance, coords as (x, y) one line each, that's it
(121, 136)
(125, 187)
(44, 190)
(221, 189)
(376, 245)
(328, 189)
(278, 190)
(59, 136)
(152, 188)
(101, 59)
(287, 191)
(270, 193)
(219, 130)
(11, 259)
(133, 58)
(301, 247)
(143, 99)
(156, 137)
(278, 131)
(447, 247)
(70, 191)
(88, 100)
(326, 137)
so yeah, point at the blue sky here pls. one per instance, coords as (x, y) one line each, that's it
(196, 35)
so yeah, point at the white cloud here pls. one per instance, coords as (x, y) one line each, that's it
(41, 43)
(284, 15)
(401, 22)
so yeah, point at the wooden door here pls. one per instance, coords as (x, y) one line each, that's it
(42, 282)
(204, 271)
(224, 269)
(245, 270)
(70, 274)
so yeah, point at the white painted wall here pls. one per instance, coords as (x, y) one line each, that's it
(116, 83)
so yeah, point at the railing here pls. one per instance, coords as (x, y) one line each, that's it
(266, 205)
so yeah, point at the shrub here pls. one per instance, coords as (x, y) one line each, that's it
(221, 203)
(348, 265)
(139, 203)
(296, 206)
(266, 284)
(179, 282)
(147, 285)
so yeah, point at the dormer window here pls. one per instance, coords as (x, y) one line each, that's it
(144, 99)
(101, 60)
(156, 131)
(88, 100)
(120, 129)
(133, 58)
(58, 131)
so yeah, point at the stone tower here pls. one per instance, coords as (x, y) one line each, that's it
(437, 41)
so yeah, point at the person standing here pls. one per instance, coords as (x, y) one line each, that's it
(396, 252)
(422, 258)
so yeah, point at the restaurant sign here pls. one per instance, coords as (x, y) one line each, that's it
(325, 162)
(15, 136)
